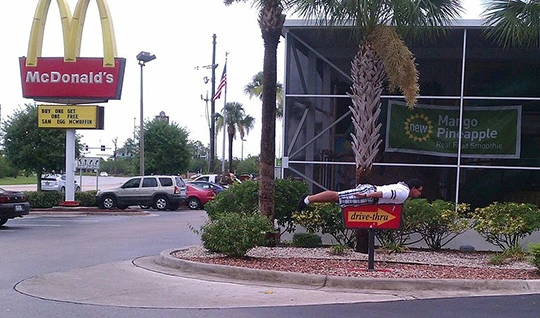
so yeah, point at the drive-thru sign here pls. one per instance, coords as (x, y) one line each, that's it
(378, 216)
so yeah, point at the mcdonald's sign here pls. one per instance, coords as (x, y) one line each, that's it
(72, 79)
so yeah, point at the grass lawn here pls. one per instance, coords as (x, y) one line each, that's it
(18, 180)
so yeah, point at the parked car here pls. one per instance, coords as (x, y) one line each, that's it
(56, 182)
(103, 174)
(207, 185)
(13, 204)
(214, 178)
(160, 192)
(198, 197)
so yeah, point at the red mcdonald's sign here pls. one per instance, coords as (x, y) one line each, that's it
(72, 79)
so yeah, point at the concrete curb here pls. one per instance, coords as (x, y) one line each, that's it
(382, 284)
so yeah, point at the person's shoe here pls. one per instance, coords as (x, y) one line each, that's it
(301, 204)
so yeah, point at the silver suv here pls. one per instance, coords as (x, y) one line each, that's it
(159, 192)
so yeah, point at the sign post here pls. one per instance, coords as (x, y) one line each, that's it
(372, 217)
(71, 80)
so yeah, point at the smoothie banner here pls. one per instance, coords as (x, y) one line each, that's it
(487, 132)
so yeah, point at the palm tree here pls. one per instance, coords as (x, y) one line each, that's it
(382, 56)
(513, 22)
(255, 89)
(271, 20)
(237, 121)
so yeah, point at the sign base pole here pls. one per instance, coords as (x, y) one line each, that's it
(371, 249)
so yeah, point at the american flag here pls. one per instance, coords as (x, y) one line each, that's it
(222, 83)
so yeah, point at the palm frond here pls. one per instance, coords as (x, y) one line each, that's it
(513, 22)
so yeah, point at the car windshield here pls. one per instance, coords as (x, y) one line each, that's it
(132, 183)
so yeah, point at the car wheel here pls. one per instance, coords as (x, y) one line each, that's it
(62, 189)
(3, 221)
(161, 203)
(108, 202)
(78, 189)
(145, 207)
(194, 203)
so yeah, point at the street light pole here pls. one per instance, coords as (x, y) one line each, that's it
(143, 58)
(213, 108)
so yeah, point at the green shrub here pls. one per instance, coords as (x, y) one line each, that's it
(233, 234)
(497, 259)
(396, 240)
(504, 224)
(306, 240)
(239, 198)
(339, 249)
(86, 198)
(244, 198)
(535, 253)
(326, 218)
(44, 199)
(438, 222)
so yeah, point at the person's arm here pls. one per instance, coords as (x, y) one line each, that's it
(376, 194)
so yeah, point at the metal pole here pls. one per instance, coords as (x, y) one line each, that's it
(213, 108)
(371, 249)
(224, 121)
(141, 127)
(70, 165)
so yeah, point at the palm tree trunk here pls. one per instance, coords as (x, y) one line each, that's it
(271, 22)
(368, 75)
(231, 137)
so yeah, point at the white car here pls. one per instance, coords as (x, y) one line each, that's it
(103, 174)
(214, 178)
(56, 182)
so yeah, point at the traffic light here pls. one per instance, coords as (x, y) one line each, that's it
(102, 147)
(85, 147)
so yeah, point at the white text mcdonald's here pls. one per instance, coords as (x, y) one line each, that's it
(72, 79)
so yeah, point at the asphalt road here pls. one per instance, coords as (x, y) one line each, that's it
(41, 246)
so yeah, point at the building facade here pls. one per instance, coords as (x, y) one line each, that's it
(474, 136)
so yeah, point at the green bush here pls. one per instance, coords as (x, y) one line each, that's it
(326, 218)
(396, 240)
(504, 224)
(239, 198)
(339, 249)
(438, 222)
(44, 199)
(535, 253)
(306, 240)
(49, 199)
(244, 198)
(86, 198)
(233, 234)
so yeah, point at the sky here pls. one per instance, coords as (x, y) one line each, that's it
(180, 34)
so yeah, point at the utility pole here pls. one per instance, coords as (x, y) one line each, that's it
(213, 108)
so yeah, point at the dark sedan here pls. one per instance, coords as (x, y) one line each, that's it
(207, 185)
(13, 204)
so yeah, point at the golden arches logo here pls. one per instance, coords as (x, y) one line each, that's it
(72, 28)
(72, 79)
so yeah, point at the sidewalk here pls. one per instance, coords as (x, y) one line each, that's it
(165, 282)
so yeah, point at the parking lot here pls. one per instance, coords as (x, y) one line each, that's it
(88, 183)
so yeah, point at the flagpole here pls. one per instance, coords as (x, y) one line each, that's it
(224, 120)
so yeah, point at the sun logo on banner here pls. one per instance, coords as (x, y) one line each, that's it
(418, 127)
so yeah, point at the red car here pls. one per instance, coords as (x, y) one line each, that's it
(198, 197)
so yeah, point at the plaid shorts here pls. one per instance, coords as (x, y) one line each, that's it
(347, 197)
